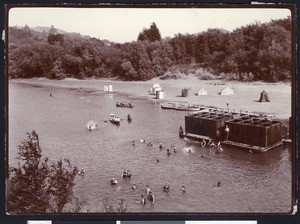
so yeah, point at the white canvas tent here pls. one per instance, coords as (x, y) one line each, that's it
(226, 91)
(108, 88)
(160, 94)
(201, 92)
(155, 87)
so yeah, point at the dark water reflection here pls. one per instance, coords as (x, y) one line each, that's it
(250, 182)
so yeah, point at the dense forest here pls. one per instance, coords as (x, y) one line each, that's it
(260, 51)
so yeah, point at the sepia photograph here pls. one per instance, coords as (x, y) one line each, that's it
(150, 109)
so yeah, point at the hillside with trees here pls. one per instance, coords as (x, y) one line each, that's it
(260, 51)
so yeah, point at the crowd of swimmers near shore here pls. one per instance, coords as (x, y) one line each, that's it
(209, 144)
(149, 195)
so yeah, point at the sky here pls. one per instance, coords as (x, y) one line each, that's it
(124, 24)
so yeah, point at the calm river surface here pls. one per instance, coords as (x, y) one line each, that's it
(259, 183)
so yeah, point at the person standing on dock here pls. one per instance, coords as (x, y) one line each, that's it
(226, 133)
(181, 133)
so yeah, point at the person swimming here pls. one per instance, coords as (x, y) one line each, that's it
(133, 187)
(160, 146)
(211, 143)
(151, 197)
(126, 173)
(220, 149)
(168, 152)
(81, 172)
(203, 143)
(183, 189)
(142, 140)
(166, 187)
(113, 181)
(148, 189)
(143, 200)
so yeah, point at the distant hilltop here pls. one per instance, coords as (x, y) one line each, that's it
(47, 29)
(42, 29)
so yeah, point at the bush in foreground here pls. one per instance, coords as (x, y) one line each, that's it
(35, 186)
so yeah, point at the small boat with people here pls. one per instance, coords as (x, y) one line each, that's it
(124, 104)
(114, 119)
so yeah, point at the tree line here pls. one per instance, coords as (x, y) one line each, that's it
(260, 51)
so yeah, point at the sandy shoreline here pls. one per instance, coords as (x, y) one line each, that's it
(245, 96)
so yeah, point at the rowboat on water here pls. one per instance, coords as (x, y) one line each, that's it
(114, 119)
(188, 107)
(124, 104)
(169, 105)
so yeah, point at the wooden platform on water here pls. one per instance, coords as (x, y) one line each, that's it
(234, 144)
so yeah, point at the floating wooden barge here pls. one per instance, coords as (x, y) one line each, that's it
(246, 131)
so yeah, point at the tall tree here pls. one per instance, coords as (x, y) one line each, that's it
(152, 34)
(35, 186)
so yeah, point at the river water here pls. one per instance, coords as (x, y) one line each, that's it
(250, 183)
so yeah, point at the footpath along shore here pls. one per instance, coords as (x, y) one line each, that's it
(245, 96)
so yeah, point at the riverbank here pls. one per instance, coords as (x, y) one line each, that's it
(245, 97)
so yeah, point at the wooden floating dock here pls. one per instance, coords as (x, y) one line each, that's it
(247, 131)
(234, 144)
